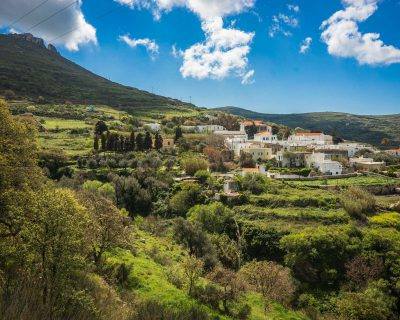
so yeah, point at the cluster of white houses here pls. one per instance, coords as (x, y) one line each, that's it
(314, 150)
(302, 149)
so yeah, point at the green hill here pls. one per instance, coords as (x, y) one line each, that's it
(32, 70)
(363, 128)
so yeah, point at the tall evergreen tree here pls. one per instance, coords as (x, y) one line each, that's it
(139, 142)
(148, 141)
(158, 141)
(96, 143)
(178, 134)
(103, 140)
(132, 141)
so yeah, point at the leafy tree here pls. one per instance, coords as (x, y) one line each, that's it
(193, 269)
(57, 243)
(255, 183)
(262, 243)
(148, 141)
(371, 304)
(251, 131)
(196, 240)
(183, 200)
(363, 269)
(100, 128)
(158, 141)
(131, 196)
(178, 134)
(246, 160)
(231, 286)
(272, 280)
(214, 217)
(53, 161)
(193, 164)
(19, 174)
(317, 256)
(229, 251)
(109, 228)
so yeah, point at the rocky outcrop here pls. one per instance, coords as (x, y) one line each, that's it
(52, 48)
(31, 38)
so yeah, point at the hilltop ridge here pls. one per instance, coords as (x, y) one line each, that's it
(38, 72)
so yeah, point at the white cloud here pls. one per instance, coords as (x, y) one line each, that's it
(176, 53)
(305, 45)
(293, 7)
(222, 54)
(341, 34)
(224, 51)
(71, 19)
(205, 9)
(248, 77)
(150, 45)
(280, 23)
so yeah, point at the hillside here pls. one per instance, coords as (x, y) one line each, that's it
(363, 128)
(32, 70)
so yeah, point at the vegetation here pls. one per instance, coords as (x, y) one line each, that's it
(123, 233)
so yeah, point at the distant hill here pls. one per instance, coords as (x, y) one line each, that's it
(32, 70)
(363, 128)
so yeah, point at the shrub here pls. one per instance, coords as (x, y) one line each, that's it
(272, 280)
(192, 165)
(254, 183)
(358, 202)
(372, 304)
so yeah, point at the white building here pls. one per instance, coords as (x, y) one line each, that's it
(209, 128)
(366, 164)
(324, 164)
(351, 147)
(310, 138)
(266, 137)
(153, 126)
(231, 134)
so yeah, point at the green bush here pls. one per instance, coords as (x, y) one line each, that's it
(358, 202)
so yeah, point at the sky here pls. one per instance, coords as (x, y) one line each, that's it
(270, 56)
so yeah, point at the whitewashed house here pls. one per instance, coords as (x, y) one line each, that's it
(366, 164)
(266, 137)
(324, 164)
(310, 138)
(231, 134)
(209, 128)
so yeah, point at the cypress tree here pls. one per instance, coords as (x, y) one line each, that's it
(96, 143)
(139, 142)
(158, 143)
(132, 141)
(103, 139)
(178, 134)
(148, 142)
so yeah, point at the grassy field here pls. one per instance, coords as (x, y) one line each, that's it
(371, 180)
(72, 145)
(63, 124)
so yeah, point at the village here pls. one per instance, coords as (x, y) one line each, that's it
(303, 155)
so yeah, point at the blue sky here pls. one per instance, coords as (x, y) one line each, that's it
(356, 75)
